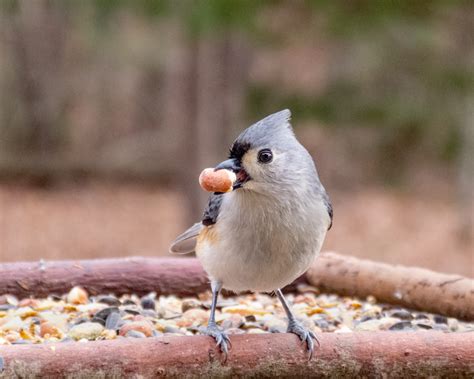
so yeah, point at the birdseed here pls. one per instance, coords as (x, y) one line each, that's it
(76, 316)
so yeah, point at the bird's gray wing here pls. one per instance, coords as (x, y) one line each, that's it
(212, 210)
(186, 242)
(328, 204)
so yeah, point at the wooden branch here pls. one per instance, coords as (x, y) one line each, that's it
(182, 277)
(412, 287)
(451, 295)
(391, 354)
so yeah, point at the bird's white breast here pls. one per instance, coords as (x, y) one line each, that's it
(261, 244)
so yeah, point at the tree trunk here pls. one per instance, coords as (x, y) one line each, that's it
(38, 44)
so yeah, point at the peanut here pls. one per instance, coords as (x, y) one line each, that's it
(217, 181)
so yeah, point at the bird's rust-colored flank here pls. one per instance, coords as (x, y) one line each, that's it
(208, 236)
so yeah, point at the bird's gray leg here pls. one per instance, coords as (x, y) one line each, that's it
(294, 326)
(222, 340)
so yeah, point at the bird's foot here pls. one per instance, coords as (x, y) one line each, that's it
(304, 334)
(222, 339)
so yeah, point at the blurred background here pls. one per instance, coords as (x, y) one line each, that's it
(109, 110)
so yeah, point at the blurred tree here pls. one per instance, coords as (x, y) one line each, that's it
(159, 87)
(37, 37)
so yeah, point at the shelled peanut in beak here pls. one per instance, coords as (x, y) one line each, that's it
(217, 181)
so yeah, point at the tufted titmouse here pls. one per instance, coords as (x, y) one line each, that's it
(268, 230)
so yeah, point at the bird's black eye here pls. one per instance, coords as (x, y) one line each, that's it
(265, 156)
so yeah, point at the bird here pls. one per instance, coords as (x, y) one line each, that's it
(268, 230)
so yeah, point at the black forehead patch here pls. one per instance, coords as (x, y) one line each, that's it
(238, 150)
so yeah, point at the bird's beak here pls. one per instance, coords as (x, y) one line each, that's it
(229, 164)
(236, 166)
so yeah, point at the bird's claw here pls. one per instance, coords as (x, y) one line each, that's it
(304, 335)
(222, 339)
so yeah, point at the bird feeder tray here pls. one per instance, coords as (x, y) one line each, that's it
(357, 354)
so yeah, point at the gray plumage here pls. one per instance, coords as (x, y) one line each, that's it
(212, 210)
(269, 229)
(185, 243)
